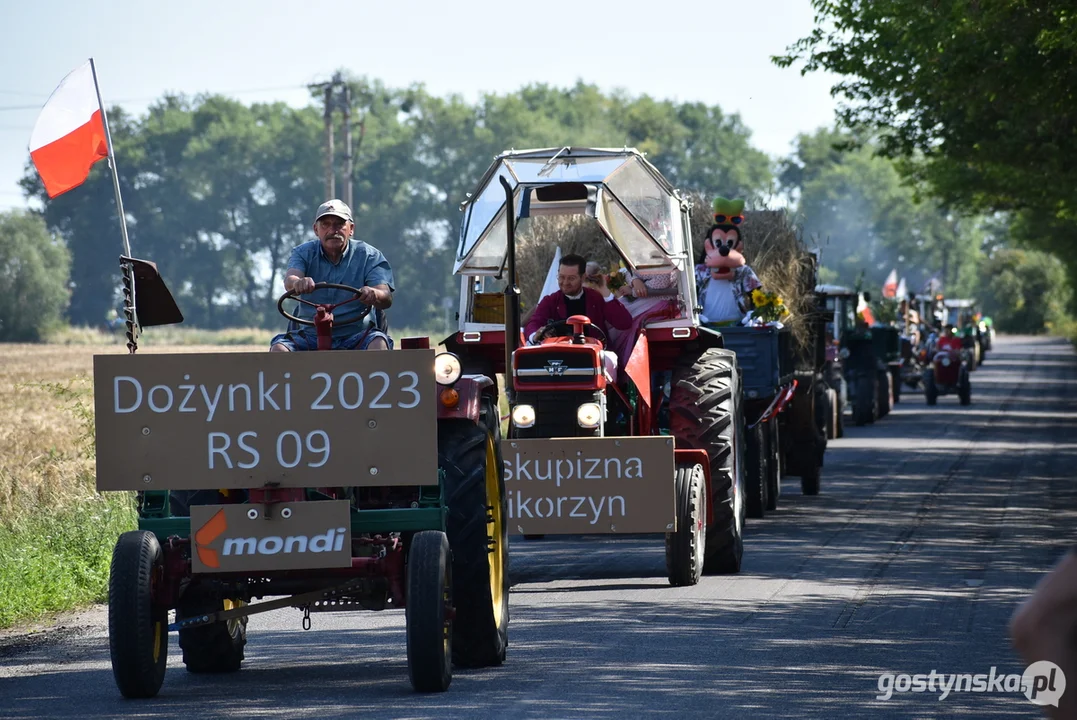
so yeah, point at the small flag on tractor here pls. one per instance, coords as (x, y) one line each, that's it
(890, 287)
(902, 291)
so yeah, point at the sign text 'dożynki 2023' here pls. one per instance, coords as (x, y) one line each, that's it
(241, 420)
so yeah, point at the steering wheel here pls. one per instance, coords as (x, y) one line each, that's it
(292, 295)
(554, 329)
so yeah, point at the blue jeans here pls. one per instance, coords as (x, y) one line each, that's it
(307, 339)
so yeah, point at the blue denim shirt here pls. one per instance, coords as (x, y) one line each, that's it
(360, 265)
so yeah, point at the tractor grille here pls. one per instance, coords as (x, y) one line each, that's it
(555, 413)
(539, 367)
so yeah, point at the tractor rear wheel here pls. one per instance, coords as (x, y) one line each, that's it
(864, 412)
(216, 648)
(895, 384)
(885, 401)
(684, 548)
(469, 454)
(706, 414)
(429, 624)
(137, 626)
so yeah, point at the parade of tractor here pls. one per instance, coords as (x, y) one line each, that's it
(462, 399)
(662, 364)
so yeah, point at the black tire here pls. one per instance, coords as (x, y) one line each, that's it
(429, 624)
(755, 472)
(895, 384)
(137, 627)
(864, 409)
(840, 414)
(216, 648)
(964, 389)
(931, 390)
(477, 508)
(775, 464)
(831, 412)
(684, 547)
(706, 414)
(885, 399)
(809, 483)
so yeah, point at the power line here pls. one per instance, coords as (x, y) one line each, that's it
(248, 91)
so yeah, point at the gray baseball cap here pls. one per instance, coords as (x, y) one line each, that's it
(334, 207)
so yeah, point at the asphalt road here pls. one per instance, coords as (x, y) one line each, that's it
(932, 525)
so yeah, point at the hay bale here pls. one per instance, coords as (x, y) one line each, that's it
(537, 240)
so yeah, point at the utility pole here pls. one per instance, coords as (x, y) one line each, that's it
(330, 175)
(347, 108)
(332, 100)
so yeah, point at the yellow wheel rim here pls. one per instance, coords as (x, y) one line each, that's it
(158, 633)
(494, 531)
(234, 622)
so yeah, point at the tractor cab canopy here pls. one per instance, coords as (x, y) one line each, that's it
(610, 206)
(642, 216)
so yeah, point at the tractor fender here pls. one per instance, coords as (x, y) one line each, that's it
(684, 455)
(471, 388)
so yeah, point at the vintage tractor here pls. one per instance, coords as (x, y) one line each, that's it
(650, 443)
(964, 318)
(870, 358)
(328, 481)
(948, 372)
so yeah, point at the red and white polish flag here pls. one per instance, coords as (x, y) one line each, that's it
(69, 135)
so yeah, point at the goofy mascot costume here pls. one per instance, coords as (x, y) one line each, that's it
(724, 281)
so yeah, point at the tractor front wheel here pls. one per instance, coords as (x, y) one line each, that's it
(429, 623)
(137, 626)
(774, 464)
(756, 470)
(684, 547)
(931, 390)
(964, 388)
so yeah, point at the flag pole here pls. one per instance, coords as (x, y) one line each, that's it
(111, 162)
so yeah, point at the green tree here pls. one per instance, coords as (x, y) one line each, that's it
(976, 97)
(867, 220)
(1024, 291)
(35, 265)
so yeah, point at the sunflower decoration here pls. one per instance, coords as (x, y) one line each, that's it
(768, 306)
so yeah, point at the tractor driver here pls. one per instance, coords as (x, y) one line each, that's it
(596, 301)
(336, 258)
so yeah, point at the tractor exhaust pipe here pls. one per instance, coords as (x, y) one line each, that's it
(512, 292)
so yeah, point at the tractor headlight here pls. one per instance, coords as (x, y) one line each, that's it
(447, 369)
(844, 353)
(945, 361)
(523, 416)
(589, 415)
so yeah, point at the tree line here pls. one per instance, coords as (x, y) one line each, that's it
(217, 192)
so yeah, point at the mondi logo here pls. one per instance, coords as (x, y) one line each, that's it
(332, 541)
(238, 538)
(206, 534)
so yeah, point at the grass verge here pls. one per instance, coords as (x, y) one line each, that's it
(58, 559)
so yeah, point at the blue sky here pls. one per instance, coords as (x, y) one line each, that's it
(716, 52)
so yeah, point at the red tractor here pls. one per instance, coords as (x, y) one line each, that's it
(948, 371)
(649, 443)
